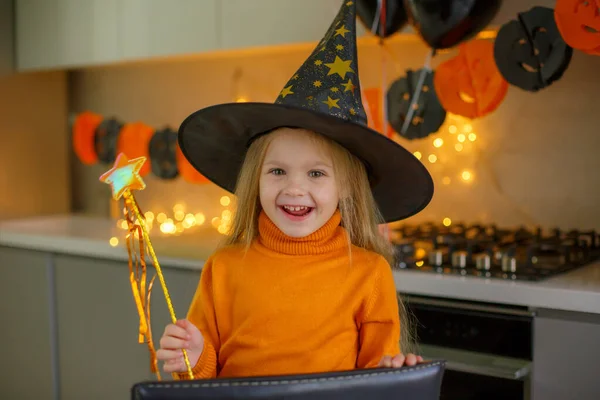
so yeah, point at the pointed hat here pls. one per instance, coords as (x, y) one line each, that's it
(322, 96)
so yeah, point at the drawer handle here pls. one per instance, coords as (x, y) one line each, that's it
(479, 363)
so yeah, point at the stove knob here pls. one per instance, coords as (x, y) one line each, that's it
(483, 262)
(509, 264)
(459, 259)
(436, 258)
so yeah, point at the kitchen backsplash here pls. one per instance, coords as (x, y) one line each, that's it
(532, 161)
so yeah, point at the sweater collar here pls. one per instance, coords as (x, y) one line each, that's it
(331, 236)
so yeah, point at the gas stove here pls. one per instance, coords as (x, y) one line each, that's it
(488, 251)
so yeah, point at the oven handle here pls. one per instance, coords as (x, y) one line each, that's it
(478, 363)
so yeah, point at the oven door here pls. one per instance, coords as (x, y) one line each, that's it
(470, 375)
(487, 347)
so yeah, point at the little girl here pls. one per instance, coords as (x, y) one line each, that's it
(303, 283)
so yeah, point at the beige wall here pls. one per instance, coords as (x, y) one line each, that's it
(535, 159)
(34, 147)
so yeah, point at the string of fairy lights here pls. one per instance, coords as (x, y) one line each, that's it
(450, 153)
(453, 143)
(178, 220)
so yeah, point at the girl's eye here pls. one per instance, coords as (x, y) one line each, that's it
(276, 171)
(315, 174)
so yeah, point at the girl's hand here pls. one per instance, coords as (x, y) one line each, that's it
(400, 360)
(182, 335)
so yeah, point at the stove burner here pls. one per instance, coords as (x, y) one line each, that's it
(492, 252)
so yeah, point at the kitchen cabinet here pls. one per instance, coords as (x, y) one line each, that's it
(27, 332)
(99, 357)
(73, 33)
(275, 22)
(66, 33)
(161, 28)
(566, 355)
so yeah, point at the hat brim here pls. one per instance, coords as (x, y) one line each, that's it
(215, 140)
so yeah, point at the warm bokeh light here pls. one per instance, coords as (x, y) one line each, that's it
(432, 158)
(161, 217)
(472, 137)
(113, 241)
(461, 138)
(438, 142)
(447, 221)
(225, 201)
(452, 129)
(200, 218)
(466, 175)
(467, 128)
(418, 155)
(458, 147)
(179, 215)
(168, 226)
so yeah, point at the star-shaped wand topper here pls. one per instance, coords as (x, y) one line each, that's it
(124, 175)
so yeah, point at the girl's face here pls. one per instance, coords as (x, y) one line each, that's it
(298, 190)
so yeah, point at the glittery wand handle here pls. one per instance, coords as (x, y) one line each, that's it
(124, 177)
(138, 215)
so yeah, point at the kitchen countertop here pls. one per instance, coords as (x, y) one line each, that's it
(578, 290)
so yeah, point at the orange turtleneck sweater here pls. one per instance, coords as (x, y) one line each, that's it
(294, 305)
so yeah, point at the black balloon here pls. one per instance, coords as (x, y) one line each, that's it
(428, 115)
(445, 23)
(395, 16)
(163, 154)
(530, 52)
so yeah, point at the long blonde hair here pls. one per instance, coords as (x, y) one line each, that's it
(358, 209)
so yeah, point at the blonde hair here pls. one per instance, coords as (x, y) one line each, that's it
(358, 209)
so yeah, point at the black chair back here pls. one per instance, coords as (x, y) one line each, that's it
(419, 382)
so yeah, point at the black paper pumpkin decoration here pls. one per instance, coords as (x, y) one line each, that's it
(530, 51)
(163, 154)
(428, 114)
(106, 140)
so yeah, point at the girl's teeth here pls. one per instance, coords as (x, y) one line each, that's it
(295, 208)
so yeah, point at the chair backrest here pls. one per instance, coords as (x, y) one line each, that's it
(419, 382)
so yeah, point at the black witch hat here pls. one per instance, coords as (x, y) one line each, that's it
(322, 96)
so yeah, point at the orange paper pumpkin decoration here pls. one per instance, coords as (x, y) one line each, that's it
(373, 97)
(187, 171)
(134, 141)
(579, 24)
(470, 84)
(83, 136)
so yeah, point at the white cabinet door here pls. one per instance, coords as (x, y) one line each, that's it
(88, 32)
(155, 28)
(254, 23)
(65, 33)
(37, 35)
